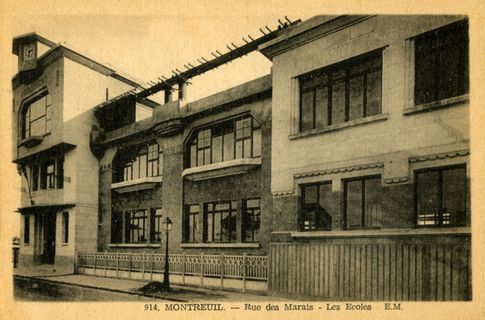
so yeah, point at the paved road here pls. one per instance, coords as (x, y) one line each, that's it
(39, 290)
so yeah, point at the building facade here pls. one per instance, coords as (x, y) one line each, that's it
(53, 95)
(383, 197)
(348, 166)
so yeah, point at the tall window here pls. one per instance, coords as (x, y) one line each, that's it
(137, 163)
(48, 175)
(363, 203)
(36, 117)
(65, 227)
(232, 139)
(220, 222)
(136, 226)
(441, 63)
(155, 225)
(342, 92)
(26, 229)
(316, 201)
(441, 196)
(191, 223)
(251, 220)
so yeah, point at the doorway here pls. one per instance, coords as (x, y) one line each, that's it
(49, 243)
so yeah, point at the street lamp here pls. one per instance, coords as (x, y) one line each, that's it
(167, 226)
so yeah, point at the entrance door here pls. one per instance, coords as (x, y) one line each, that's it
(49, 251)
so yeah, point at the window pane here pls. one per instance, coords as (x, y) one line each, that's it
(65, 227)
(200, 157)
(207, 156)
(356, 96)
(38, 108)
(116, 227)
(449, 75)
(424, 86)
(239, 149)
(374, 93)
(325, 202)
(136, 168)
(338, 102)
(37, 127)
(354, 203)
(143, 166)
(321, 110)
(427, 184)
(193, 156)
(257, 143)
(454, 196)
(229, 146)
(310, 194)
(159, 165)
(247, 148)
(373, 203)
(306, 111)
(217, 149)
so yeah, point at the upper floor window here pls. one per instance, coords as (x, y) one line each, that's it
(48, 174)
(441, 63)
(363, 203)
(316, 201)
(36, 117)
(441, 196)
(342, 92)
(140, 162)
(228, 140)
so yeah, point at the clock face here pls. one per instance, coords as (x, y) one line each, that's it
(29, 52)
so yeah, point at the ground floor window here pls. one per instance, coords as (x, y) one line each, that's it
(65, 227)
(363, 202)
(223, 221)
(251, 220)
(316, 200)
(441, 196)
(136, 226)
(26, 229)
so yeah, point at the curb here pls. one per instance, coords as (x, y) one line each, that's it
(100, 288)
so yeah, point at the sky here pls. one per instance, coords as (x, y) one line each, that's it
(144, 44)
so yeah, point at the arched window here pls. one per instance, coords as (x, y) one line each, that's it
(36, 116)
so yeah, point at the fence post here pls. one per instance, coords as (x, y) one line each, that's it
(117, 264)
(151, 268)
(222, 271)
(94, 262)
(105, 263)
(143, 266)
(129, 265)
(244, 272)
(183, 268)
(201, 269)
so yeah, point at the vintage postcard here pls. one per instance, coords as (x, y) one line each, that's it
(242, 159)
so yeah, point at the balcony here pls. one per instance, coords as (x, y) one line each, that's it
(222, 169)
(137, 184)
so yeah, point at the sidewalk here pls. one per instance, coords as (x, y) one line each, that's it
(180, 294)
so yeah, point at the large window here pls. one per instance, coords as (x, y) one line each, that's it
(251, 220)
(220, 222)
(363, 203)
(316, 201)
(136, 226)
(231, 139)
(441, 63)
(48, 174)
(441, 196)
(137, 163)
(36, 117)
(341, 92)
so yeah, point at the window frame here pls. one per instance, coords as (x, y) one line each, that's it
(433, 36)
(244, 212)
(193, 141)
(233, 213)
(362, 179)
(125, 166)
(189, 216)
(327, 73)
(302, 204)
(25, 121)
(440, 170)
